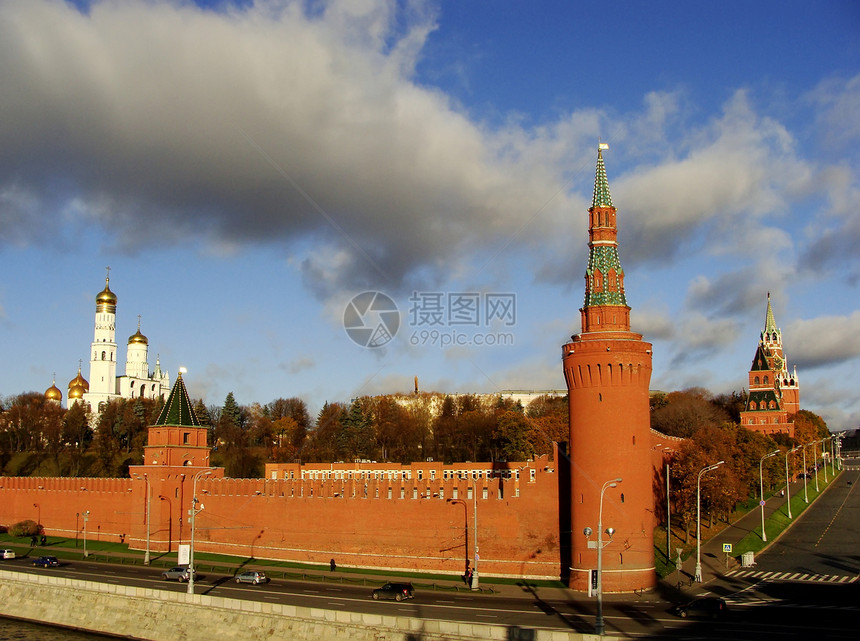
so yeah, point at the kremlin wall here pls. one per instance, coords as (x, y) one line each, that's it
(537, 519)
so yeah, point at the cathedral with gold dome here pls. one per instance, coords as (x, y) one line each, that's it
(104, 385)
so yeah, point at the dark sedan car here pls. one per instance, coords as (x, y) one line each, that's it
(46, 562)
(709, 607)
(396, 591)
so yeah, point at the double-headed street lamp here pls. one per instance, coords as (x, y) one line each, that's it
(787, 491)
(193, 512)
(600, 626)
(761, 489)
(704, 470)
(815, 458)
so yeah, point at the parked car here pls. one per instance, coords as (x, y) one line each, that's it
(179, 573)
(396, 591)
(252, 576)
(710, 607)
(46, 562)
(7, 554)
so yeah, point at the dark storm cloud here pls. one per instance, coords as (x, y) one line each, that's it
(164, 122)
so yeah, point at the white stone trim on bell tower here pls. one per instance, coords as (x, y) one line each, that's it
(103, 351)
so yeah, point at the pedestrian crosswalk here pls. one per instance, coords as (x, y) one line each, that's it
(763, 575)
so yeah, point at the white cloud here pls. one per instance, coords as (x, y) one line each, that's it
(826, 340)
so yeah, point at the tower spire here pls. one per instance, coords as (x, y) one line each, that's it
(769, 322)
(605, 306)
(601, 196)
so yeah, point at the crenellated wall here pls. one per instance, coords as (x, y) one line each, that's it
(426, 525)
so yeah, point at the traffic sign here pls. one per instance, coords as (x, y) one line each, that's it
(727, 548)
(761, 503)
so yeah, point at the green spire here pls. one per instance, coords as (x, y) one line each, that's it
(769, 322)
(601, 197)
(604, 264)
(178, 410)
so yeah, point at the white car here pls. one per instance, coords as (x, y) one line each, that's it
(7, 554)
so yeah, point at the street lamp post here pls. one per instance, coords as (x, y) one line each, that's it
(466, 528)
(148, 515)
(475, 538)
(824, 457)
(815, 462)
(193, 512)
(787, 491)
(805, 474)
(668, 519)
(600, 626)
(833, 455)
(86, 515)
(704, 470)
(761, 489)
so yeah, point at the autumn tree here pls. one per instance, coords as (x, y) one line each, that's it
(550, 422)
(512, 437)
(809, 427)
(687, 411)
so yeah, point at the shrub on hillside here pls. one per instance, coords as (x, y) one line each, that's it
(25, 528)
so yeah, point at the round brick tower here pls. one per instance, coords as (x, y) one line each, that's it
(608, 371)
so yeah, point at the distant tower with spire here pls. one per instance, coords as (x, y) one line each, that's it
(607, 369)
(774, 393)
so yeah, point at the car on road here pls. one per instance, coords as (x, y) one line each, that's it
(396, 591)
(179, 573)
(46, 562)
(7, 554)
(710, 607)
(252, 576)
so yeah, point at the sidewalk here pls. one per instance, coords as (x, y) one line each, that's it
(714, 563)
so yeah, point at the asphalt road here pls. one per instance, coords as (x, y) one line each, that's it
(805, 586)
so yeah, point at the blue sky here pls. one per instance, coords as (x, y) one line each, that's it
(246, 169)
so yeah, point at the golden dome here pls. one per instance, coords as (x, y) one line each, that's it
(106, 297)
(76, 391)
(53, 393)
(137, 337)
(78, 381)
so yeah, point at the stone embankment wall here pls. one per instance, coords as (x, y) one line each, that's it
(159, 615)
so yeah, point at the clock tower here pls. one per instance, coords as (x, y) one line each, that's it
(774, 393)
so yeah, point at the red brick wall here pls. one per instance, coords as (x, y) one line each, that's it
(304, 521)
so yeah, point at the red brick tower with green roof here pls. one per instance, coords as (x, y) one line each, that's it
(774, 394)
(177, 438)
(608, 371)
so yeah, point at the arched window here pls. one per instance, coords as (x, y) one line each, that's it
(756, 380)
(103, 355)
(766, 380)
